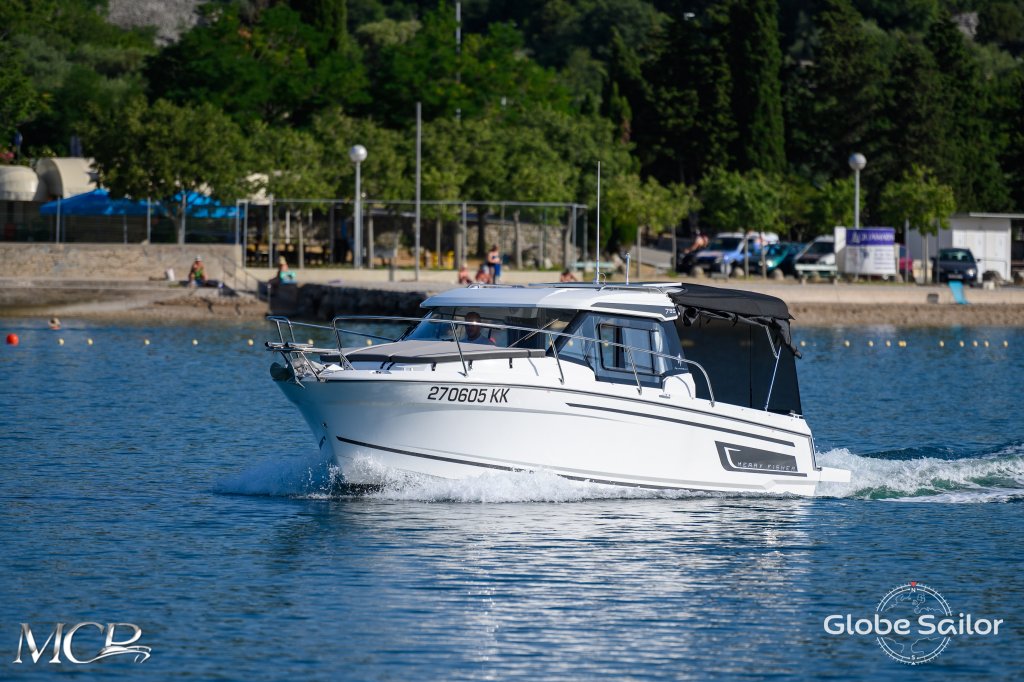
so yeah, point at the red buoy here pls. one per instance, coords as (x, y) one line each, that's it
(12, 339)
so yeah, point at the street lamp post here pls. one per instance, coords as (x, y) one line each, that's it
(357, 155)
(857, 163)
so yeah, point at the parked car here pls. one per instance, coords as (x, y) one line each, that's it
(727, 252)
(775, 255)
(817, 258)
(955, 264)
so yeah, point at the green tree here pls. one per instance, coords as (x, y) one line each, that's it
(291, 160)
(279, 70)
(165, 151)
(329, 16)
(692, 91)
(756, 62)
(832, 205)
(20, 100)
(834, 95)
(741, 201)
(920, 199)
(970, 158)
(916, 127)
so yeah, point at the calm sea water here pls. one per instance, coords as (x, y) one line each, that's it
(172, 486)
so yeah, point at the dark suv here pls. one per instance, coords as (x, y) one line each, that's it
(956, 264)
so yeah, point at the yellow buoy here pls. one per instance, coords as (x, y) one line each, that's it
(871, 344)
(195, 342)
(89, 341)
(974, 343)
(888, 344)
(1006, 344)
(60, 342)
(145, 342)
(942, 344)
(309, 341)
(902, 344)
(986, 344)
(369, 342)
(846, 343)
(250, 342)
(803, 344)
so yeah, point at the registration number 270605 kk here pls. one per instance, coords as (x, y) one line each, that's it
(456, 394)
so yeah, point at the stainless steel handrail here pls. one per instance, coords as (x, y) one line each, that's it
(494, 325)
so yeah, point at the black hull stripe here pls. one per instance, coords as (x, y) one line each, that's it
(453, 460)
(592, 394)
(686, 423)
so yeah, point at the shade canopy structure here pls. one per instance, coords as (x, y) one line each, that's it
(99, 202)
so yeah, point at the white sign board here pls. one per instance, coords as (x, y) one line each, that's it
(870, 251)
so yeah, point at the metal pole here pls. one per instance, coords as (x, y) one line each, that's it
(149, 220)
(58, 220)
(357, 228)
(245, 236)
(419, 136)
(270, 232)
(597, 244)
(462, 232)
(330, 222)
(856, 199)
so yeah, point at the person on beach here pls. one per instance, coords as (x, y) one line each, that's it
(464, 277)
(482, 275)
(567, 276)
(197, 275)
(474, 332)
(55, 323)
(494, 263)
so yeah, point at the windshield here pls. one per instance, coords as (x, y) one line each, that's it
(725, 243)
(477, 325)
(956, 255)
(818, 248)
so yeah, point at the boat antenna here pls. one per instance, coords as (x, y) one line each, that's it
(597, 246)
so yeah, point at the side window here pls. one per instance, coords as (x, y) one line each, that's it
(617, 358)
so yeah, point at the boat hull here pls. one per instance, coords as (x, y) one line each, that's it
(374, 422)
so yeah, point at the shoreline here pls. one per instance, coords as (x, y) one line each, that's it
(814, 305)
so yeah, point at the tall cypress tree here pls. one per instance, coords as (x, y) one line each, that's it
(835, 94)
(970, 163)
(693, 91)
(755, 64)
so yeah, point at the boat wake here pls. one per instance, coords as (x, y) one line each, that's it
(908, 475)
(930, 475)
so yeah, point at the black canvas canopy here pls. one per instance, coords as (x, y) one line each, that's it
(724, 331)
(733, 301)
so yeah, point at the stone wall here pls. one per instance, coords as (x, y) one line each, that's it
(324, 302)
(35, 260)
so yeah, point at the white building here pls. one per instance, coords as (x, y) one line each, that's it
(987, 235)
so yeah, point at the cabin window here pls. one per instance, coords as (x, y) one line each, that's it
(615, 357)
(650, 340)
(529, 322)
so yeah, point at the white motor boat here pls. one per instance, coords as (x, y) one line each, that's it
(672, 386)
